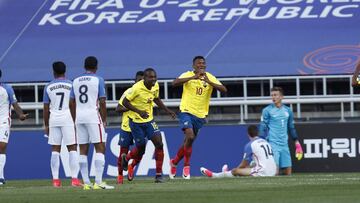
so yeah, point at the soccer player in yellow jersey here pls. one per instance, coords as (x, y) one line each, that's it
(194, 107)
(140, 103)
(126, 138)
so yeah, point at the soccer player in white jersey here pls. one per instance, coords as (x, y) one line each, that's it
(258, 152)
(59, 124)
(7, 99)
(88, 96)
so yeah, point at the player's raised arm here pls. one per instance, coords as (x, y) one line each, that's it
(215, 83)
(355, 76)
(161, 105)
(181, 80)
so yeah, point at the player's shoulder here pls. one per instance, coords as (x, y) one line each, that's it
(268, 107)
(286, 107)
(210, 75)
(187, 74)
(6, 86)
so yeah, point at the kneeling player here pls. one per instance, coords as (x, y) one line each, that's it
(258, 150)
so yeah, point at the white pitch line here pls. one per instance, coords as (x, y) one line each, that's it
(22, 31)
(227, 32)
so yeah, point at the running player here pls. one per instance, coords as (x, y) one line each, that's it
(140, 103)
(257, 151)
(87, 94)
(59, 124)
(7, 100)
(197, 88)
(126, 138)
(276, 121)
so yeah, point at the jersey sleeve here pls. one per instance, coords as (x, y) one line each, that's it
(132, 93)
(264, 123)
(291, 126)
(123, 96)
(101, 88)
(248, 153)
(11, 94)
(184, 75)
(213, 79)
(157, 90)
(46, 98)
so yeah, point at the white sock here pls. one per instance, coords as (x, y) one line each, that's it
(2, 165)
(55, 164)
(99, 167)
(74, 163)
(225, 174)
(84, 169)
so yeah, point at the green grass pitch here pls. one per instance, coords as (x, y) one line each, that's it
(304, 188)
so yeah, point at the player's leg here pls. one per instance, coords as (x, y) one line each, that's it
(70, 140)
(137, 130)
(83, 141)
(124, 142)
(285, 161)
(153, 134)
(55, 138)
(3, 146)
(276, 154)
(4, 138)
(98, 138)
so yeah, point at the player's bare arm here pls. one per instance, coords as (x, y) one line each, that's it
(103, 114)
(46, 115)
(218, 87)
(72, 107)
(20, 112)
(181, 81)
(121, 109)
(161, 105)
(243, 164)
(354, 81)
(129, 106)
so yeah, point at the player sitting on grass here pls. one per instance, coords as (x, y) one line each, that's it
(258, 150)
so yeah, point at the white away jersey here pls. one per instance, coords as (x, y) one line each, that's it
(87, 89)
(57, 94)
(7, 98)
(259, 150)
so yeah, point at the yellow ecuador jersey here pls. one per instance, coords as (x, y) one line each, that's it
(196, 95)
(142, 98)
(125, 117)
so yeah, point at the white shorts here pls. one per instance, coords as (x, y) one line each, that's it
(4, 133)
(90, 133)
(62, 135)
(263, 172)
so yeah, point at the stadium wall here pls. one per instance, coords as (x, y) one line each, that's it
(327, 147)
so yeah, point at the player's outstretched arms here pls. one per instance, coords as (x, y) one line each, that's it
(22, 116)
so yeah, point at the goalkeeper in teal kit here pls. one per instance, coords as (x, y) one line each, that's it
(276, 121)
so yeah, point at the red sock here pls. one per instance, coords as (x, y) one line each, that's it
(122, 151)
(187, 155)
(179, 155)
(132, 154)
(136, 161)
(159, 157)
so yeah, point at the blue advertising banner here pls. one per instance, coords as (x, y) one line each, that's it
(238, 38)
(28, 155)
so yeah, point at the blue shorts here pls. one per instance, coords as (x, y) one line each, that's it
(144, 131)
(281, 155)
(187, 120)
(126, 139)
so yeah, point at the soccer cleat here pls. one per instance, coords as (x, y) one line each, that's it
(130, 175)
(206, 172)
(2, 181)
(102, 186)
(124, 162)
(87, 187)
(56, 183)
(172, 173)
(186, 172)
(75, 182)
(120, 179)
(225, 168)
(159, 179)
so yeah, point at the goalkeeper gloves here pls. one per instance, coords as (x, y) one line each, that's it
(298, 151)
